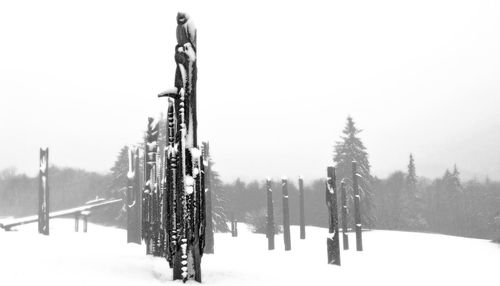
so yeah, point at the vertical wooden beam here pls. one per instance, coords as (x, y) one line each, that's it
(85, 222)
(286, 215)
(77, 221)
(270, 216)
(357, 211)
(302, 211)
(132, 207)
(43, 192)
(343, 194)
(333, 244)
(209, 228)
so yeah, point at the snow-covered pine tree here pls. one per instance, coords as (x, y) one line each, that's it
(350, 148)
(412, 202)
(119, 171)
(219, 201)
(411, 177)
(118, 186)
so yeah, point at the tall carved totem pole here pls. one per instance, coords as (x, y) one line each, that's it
(43, 192)
(184, 217)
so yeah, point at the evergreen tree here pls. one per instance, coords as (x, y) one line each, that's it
(350, 149)
(219, 203)
(119, 174)
(118, 185)
(412, 204)
(411, 178)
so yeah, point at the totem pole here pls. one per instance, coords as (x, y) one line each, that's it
(343, 200)
(150, 186)
(333, 246)
(286, 215)
(43, 193)
(133, 198)
(209, 231)
(270, 216)
(357, 205)
(301, 208)
(185, 197)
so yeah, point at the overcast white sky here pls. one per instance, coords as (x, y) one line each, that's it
(277, 80)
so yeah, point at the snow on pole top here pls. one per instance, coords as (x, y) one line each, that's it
(300, 177)
(195, 152)
(155, 121)
(268, 179)
(284, 178)
(43, 165)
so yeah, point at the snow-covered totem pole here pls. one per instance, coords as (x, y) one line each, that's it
(286, 215)
(343, 200)
(149, 201)
(357, 206)
(185, 219)
(43, 192)
(333, 247)
(270, 216)
(133, 197)
(302, 210)
(209, 230)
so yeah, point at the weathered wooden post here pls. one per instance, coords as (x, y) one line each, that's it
(132, 205)
(286, 215)
(357, 211)
(343, 194)
(85, 217)
(77, 221)
(234, 228)
(148, 199)
(302, 211)
(43, 192)
(209, 230)
(270, 216)
(333, 244)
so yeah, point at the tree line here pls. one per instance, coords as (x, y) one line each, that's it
(402, 201)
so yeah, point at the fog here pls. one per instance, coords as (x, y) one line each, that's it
(276, 82)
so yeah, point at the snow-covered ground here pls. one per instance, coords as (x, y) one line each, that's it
(102, 257)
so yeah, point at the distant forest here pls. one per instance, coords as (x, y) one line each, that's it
(443, 205)
(402, 201)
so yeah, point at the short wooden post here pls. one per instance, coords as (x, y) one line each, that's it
(357, 211)
(270, 216)
(333, 244)
(343, 195)
(302, 211)
(84, 223)
(77, 219)
(234, 228)
(85, 217)
(286, 215)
